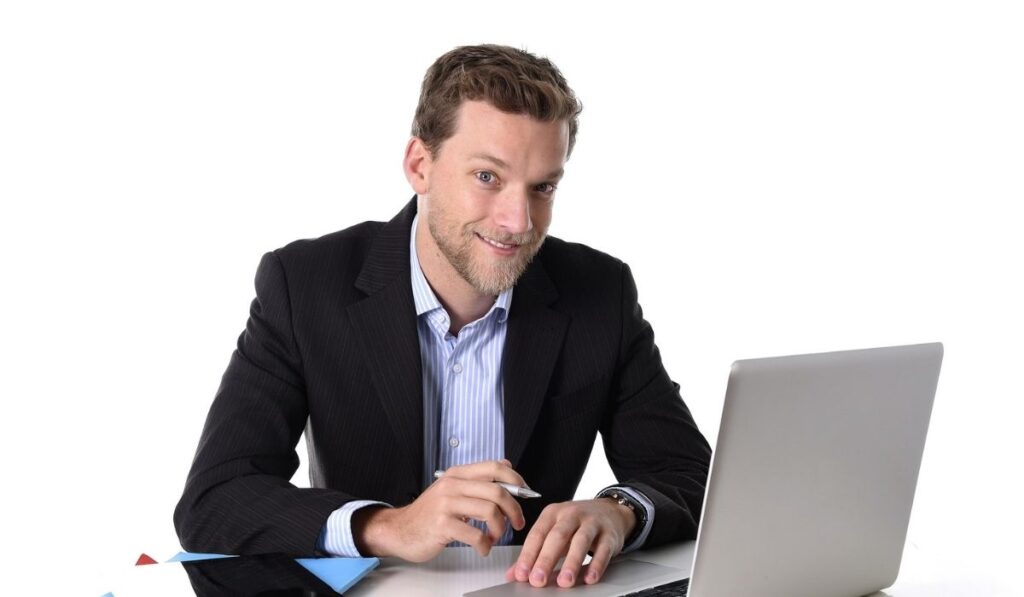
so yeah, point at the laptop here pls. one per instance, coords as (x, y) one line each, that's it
(813, 477)
(811, 483)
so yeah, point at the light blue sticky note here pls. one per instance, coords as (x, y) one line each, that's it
(339, 573)
(184, 556)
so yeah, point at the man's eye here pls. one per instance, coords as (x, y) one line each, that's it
(546, 187)
(485, 177)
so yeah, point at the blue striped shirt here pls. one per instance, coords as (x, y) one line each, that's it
(463, 400)
(463, 397)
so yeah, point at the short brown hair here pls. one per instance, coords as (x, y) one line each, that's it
(512, 80)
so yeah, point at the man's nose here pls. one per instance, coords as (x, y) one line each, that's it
(512, 214)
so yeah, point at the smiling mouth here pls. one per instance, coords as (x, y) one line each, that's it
(495, 243)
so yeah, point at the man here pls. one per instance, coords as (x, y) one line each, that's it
(454, 338)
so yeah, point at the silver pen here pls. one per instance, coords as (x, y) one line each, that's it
(521, 492)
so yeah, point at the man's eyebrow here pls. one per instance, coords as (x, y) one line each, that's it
(490, 158)
(557, 174)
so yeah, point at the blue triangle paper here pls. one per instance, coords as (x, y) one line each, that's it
(339, 573)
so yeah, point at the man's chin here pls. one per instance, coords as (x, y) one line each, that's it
(490, 287)
(496, 282)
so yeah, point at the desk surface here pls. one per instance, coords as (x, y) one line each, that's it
(460, 570)
(457, 571)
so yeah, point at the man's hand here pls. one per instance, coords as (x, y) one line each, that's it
(419, 531)
(572, 529)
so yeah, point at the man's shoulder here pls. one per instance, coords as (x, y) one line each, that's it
(577, 266)
(329, 263)
(576, 258)
(345, 250)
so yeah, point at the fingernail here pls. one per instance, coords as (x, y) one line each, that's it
(565, 577)
(522, 572)
(538, 575)
(591, 577)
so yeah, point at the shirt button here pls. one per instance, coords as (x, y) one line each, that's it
(453, 441)
(457, 367)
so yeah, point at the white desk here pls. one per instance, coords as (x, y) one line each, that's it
(460, 570)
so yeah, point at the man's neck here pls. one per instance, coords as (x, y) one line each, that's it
(463, 303)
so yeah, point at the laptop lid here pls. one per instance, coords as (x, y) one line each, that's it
(812, 480)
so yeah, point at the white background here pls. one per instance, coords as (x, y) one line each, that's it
(782, 177)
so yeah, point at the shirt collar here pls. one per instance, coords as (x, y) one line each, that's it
(424, 297)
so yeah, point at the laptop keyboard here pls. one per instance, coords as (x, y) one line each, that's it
(676, 588)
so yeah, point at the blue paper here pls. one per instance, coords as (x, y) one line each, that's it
(339, 573)
(184, 556)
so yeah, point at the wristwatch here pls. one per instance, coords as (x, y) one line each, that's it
(624, 499)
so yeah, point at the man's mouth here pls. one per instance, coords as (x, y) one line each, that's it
(495, 243)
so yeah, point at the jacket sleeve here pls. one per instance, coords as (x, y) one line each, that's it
(650, 438)
(238, 498)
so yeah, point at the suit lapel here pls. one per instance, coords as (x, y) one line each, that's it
(385, 323)
(534, 340)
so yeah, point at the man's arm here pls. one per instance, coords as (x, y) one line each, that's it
(238, 498)
(653, 447)
(650, 438)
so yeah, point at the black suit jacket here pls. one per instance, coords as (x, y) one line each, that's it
(331, 348)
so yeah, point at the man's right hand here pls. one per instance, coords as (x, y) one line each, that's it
(440, 515)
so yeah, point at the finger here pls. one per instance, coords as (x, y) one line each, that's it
(487, 491)
(556, 545)
(599, 562)
(483, 510)
(581, 542)
(533, 544)
(456, 530)
(487, 470)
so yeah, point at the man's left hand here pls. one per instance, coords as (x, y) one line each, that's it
(571, 529)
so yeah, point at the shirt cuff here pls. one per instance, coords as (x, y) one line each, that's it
(336, 537)
(648, 505)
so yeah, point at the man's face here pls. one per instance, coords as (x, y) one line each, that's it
(490, 192)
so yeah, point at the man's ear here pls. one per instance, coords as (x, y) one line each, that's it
(417, 165)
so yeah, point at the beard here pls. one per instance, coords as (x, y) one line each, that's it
(487, 276)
